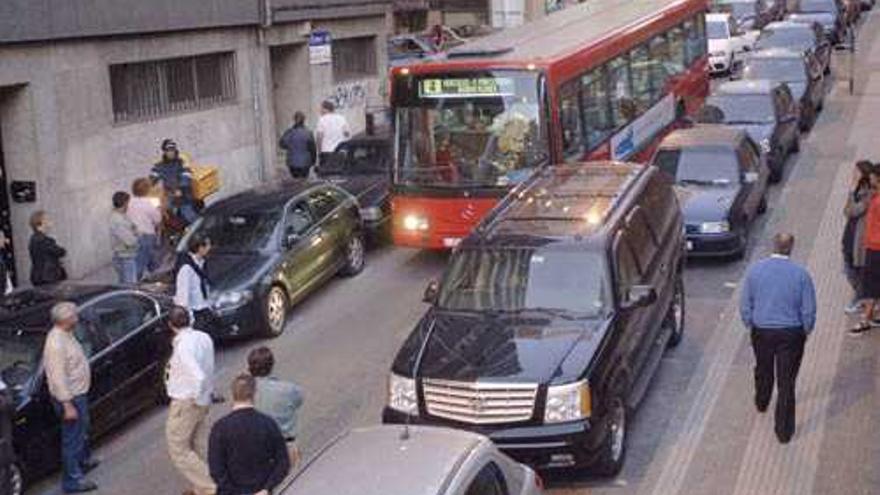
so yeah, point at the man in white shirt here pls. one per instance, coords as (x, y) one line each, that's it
(331, 130)
(192, 286)
(190, 386)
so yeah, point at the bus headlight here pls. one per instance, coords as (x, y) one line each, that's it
(415, 222)
(569, 402)
(402, 394)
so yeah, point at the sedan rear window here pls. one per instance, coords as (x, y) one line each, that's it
(776, 69)
(799, 38)
(701, 166)
(744, 108)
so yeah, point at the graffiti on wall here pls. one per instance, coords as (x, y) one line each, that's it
(349, 95)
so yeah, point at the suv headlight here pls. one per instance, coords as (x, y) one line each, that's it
(765, 145)
(371, 213)
(232, 299)
(415, 222)
(402, 394)
(714, 227)
(569, 402)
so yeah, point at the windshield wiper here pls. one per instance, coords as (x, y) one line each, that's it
(554, 312)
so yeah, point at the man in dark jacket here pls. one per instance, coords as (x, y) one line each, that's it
(246, 451)
(299, 143)
(176, 180)
(46, 254)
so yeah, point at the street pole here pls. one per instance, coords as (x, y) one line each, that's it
(851, 34)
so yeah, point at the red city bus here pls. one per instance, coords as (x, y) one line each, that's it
(603, 79)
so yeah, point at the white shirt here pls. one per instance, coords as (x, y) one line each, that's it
(191, 368)
(188, 292)
(332, 129)
(144, 215)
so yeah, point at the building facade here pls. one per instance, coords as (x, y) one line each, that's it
(87, 95)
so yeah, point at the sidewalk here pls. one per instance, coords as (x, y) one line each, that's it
(716, 442)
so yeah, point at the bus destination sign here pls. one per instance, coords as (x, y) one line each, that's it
(463, 87)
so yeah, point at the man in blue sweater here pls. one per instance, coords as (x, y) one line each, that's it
(778, 304)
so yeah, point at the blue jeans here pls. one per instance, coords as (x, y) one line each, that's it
(147, 260)
(74, 443)
(126, 269)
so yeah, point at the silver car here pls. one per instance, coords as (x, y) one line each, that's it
(415, 460)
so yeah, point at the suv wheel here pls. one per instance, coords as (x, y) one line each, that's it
(275, 311)
(16, 480)
(613, 450)
(355, 255)
(675, 315)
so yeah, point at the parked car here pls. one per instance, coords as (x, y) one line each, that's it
(416, 460)
(124, 335)
(829, 14)
(727, 43)
(767, 111)
(803, 78)
(748, 14)
(362, 166)
(551, 318)
(722, 186)
(272, 247)
(804, 37)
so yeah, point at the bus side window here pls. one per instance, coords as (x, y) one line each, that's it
(572, 120)
(597, 104)
(677, 50)
(622, 102)
(660, 70)
(640, 65)
(696, 38)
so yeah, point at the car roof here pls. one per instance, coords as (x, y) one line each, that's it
(788, 25)
(30, 308)
(704, 136)
(777, 52)
(378, 461)
(746, 87)
(266, 197)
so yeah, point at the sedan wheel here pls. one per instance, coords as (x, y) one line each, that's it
(275, 311)
(675, 316)
(355, 256)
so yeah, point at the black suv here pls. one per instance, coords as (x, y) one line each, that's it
(551, 317)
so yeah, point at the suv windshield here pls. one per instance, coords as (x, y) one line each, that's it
(795, 38)
(716, 30)
(776, 69)
(744, 108)
(523, 279)
(240, 232)
(701, 166)
(472, 130)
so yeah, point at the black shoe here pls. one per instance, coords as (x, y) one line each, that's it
(784, 438)
(90, 465)
(860, 328)
(84, 486)
(762, 408)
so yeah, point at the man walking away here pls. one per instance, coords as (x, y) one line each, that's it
(779, 306)
(246, 451)
(69, 378)
(123, 240)
(192, 285)
(147, 217)
(870, 286)
(853, 243)
(332, 129)
(190, 385)
(278, 399)
(299, 143)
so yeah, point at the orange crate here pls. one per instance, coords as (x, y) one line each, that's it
(206, 181)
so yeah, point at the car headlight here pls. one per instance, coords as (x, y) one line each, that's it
(718, 54)
(714, 227)
(415, 222)
(765, 145)
(569, 402)
(371, 213)
(232, 299)
(402, 394)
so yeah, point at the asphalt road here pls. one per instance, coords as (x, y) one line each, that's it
(339, 344)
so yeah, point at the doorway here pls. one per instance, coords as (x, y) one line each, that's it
(7, 255)
(291, 84)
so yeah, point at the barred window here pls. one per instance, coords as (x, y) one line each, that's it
(145, 90)
(354, 58)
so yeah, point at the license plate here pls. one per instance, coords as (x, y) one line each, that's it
(451, 242)
(689, 245)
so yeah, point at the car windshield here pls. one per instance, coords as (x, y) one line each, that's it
(523, 279)
(240, 232)
(700, 166)
(471, 130)
(797, 38)
(356, 159)
(776, 69)
(744, 108)
(20, 353)
(716, 30)
(816, 6)
(739, 10)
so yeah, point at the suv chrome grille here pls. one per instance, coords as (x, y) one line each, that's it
(480, 403)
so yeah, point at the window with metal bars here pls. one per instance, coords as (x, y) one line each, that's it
(354, 58)
(147, 90)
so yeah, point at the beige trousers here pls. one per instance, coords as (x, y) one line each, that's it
(186, 432)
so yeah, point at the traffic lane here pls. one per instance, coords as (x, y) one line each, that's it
(338, 345)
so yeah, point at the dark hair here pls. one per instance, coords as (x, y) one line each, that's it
(120, 199)
(141, 187)
(328, 105)
(169, 145)
(178, 317)
(197, 242)
(865, 167)
(38, 219)
(261, 361)
(244, 387)
(783, 243)
(299, 118)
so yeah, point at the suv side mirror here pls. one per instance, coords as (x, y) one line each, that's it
(639, 296)
(432, 291)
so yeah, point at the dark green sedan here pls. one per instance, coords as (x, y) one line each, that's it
(273, 246)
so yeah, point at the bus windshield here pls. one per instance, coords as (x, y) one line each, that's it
(468, 130)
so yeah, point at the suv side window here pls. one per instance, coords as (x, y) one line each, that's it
(489, 481)
(641, 238)
(625, 265)
(658, 204)
(748, 156)
(323, 201)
